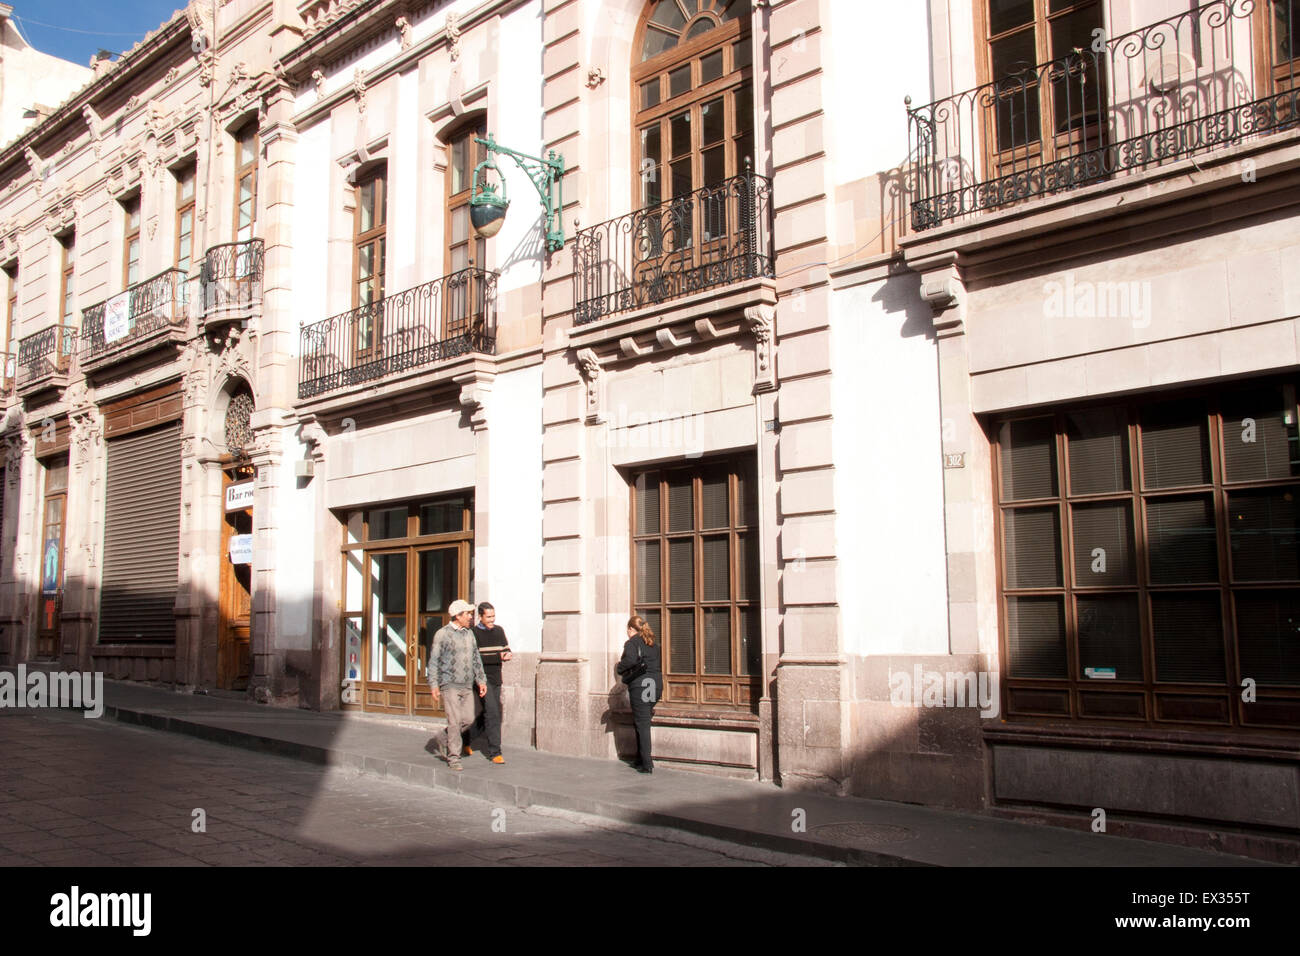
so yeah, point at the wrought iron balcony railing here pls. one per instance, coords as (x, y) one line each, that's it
(715, 236)
(449, 316)
(114, 325)
(1178, 87)
(232, 276)
(46, 354)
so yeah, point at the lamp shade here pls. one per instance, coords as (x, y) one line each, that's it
(487, 213)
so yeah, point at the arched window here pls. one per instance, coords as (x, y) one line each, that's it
(693, 99)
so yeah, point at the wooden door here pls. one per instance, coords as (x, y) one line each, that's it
(234, 647)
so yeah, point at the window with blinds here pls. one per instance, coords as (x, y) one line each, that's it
(695, 580)
(1150, 559)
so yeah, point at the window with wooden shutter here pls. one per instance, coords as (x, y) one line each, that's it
(695, 580)
(1150, 558)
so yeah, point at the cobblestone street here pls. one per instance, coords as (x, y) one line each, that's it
(77, 792)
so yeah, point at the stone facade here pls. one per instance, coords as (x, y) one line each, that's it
(850, 366)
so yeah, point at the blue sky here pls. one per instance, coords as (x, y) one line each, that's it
(76, 29)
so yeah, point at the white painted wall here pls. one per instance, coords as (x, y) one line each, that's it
(514, 537)
(878, 53)
(310, 230)
(27, 77)
(888, 472)
(295, 547)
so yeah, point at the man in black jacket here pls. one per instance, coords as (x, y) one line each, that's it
(494, 648)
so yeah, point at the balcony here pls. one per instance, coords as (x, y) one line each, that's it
(44, 360)
(232, 281)
(1217, 75)
(715, 236)
(441, 319)
(145, 316)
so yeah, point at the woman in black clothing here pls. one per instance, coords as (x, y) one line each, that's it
(644, 687)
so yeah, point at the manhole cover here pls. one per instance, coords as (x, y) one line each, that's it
(863, 834)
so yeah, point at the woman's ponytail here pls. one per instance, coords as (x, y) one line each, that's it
(637, 623)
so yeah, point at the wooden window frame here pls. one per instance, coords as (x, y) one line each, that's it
(249, 171)
(11, 361)
(1050, 143)
(130, 234)
(67, 277)
(463, 311)
(1155, 693)
(1280, 75)
(183, 206)
(691, 691)
(377, 237)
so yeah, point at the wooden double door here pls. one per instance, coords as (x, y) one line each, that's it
(407, 593)
(234, 645)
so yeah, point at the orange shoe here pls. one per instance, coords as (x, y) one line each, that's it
(498, 759)
(469, 751)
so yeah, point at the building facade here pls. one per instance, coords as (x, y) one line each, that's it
(846, 397)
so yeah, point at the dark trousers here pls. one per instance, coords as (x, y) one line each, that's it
(488, 720)
(643, 693)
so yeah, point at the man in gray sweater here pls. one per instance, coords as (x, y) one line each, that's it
(454, 664)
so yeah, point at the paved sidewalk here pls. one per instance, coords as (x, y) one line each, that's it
(847, 829)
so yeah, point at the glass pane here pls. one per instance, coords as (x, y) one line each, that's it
(744, 104)
(681, 504)
(648, 587)
(679, 81)
(1110, 636)
(387, 523)
(647, 504)
(717, 640)
(711, 66)
(750, 641)
(715, 569)
(366, 261)
(186, 192)
(1175, 445)
(681, 569)
(747, 497)
(656, 40)
(1005, 14)
(680, 134)
(652, 617)
(700, 27)
(355, 577)
(388, 616)
(1257, 441)
(437, 580)
(440, 517)
(1098, 444)
(352, 649)
(460, 224)
(713, 117)
(1032, 547)
(246, 152)
(1182, 543)
(1268, 632)
(747, 563)
(651, 157)
(713, 501)
(650, 94)
(1103, 544)
(680, 172)
(669, 16)
(681, 641)
(459, 261)
(1188, 636)
(1264, 535)
(1036, 636)
(1286, 30)
(1028, 454)
(741, 54)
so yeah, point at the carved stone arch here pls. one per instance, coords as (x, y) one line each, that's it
(228, 401)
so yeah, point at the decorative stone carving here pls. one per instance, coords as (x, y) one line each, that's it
(133, 103)
(313, 435)
(453, 35)
(760, 320)
(404, 30)
(595, 77)
(87, 432)
(233, 361)
(473, 398)
(359, 89)
(93, 122)
(589, 368)
(17, 444)
(318, 78)
(172, 75)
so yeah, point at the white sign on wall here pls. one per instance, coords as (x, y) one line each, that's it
(239, 495)
(241, 549)
(117, 317)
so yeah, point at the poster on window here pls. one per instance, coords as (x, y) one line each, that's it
(117, 317)
(241, 549)
(50, 567)
(352, 649)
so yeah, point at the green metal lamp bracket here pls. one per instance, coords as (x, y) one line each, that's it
(545, 175)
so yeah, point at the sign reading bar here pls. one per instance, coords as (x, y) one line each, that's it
(239, 495)
(241, 549)
(117, 317)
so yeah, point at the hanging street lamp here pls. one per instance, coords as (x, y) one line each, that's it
(488, 203)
